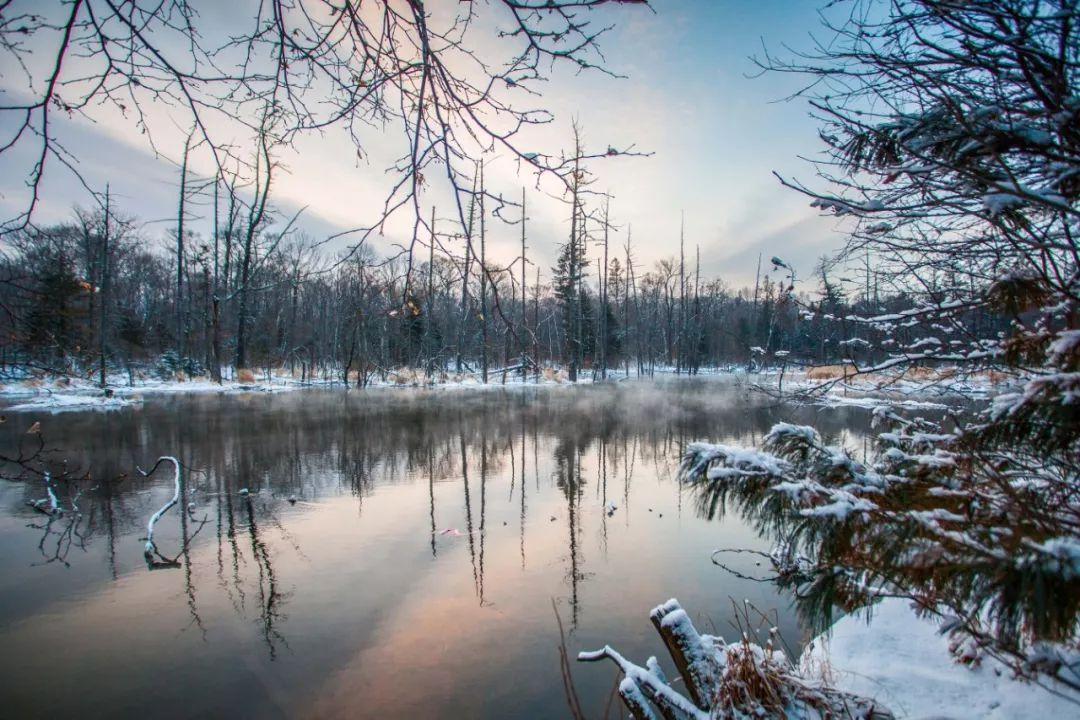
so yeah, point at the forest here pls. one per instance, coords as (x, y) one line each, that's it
(102, 295)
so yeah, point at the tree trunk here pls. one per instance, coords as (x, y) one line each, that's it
(104, 303)
(180, 339)
(483, 284)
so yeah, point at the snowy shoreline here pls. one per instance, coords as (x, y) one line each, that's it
(64, 395)
(78, 394)
(903, 661)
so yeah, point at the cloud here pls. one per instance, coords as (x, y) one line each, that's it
(715, 134)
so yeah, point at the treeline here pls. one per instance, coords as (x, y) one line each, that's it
(98, 295)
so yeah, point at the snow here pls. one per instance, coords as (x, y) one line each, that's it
(75, 394)
(1061, 555)
(62, 403)
(805, 432)
(53, 502)
(1066, 343)
(150, 547)
(902, 661)
(700, 656)
(646, 682)
(734, 460)
(999, 202)
(840, 508)
(941, 389)
(840, 206)
(738, 680)
(874, 402)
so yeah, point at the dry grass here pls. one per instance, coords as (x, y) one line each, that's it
(408, 377)
(245, 375)
(918, 373)
(830, 372)
(751, 680)
(552, 375)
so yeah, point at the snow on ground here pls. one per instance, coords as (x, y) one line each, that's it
(58, 395)
(900, 660)
(935, 391)
(63, 394)
(64, 402)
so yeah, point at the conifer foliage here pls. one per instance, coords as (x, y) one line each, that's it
(953, 139)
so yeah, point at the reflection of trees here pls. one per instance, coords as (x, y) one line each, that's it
(59, 534)
(310, 446)
(431, 498)
(468, 518)
(270, 596)
(523, 492)
(568, 479)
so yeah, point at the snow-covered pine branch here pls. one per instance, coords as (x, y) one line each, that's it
(993, 544)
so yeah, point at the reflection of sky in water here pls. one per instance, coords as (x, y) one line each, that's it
(346, 604)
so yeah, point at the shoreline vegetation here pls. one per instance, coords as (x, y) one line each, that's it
(822, 385)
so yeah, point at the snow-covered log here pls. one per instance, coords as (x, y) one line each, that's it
(733, 681)
(695, 660)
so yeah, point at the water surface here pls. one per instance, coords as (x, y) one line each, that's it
(415, 573)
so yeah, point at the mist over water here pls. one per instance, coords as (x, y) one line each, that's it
(414, 574)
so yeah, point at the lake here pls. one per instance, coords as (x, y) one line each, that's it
(397, 553)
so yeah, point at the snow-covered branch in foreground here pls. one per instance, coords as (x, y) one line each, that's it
(725, 681)
(150, 547)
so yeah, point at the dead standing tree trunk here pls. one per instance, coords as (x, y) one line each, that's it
(429, 305)
(483, 284)
(463, 323)
(103, 323)
(180, 330)
(524, 305)
(263, 174)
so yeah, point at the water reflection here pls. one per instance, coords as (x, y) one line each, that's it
(394, 554)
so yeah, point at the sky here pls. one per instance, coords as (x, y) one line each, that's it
(715, 133)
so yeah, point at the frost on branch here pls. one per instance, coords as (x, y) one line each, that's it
(725, 681)
(150, 548)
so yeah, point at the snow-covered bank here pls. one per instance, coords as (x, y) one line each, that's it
(901, 661)
(71, 394)
(911, 388)
(63, 402)
(62, 394)
(75, 394)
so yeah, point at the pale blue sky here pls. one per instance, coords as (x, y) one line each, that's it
(716, 135)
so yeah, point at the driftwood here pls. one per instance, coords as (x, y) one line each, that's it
(725, 681)
(686, 650)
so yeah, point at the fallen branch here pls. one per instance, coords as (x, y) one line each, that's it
(150, 547)
(725, 681)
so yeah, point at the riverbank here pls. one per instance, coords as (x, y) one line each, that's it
(903, 662)
(78, 394)
(937, 392)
